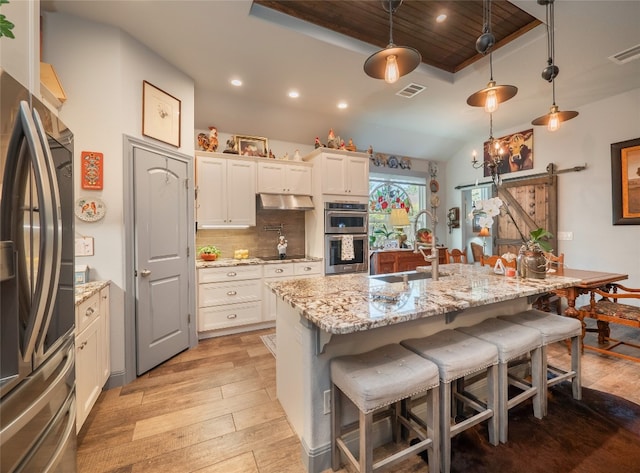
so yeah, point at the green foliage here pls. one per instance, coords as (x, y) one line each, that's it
(5, 25)
(382, 230)
(539, 240)
(209, 250)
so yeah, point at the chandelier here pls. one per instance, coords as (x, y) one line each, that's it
(492, 156)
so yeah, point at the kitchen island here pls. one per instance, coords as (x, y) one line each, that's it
(324, 317)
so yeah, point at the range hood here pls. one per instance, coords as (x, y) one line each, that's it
(285, 202)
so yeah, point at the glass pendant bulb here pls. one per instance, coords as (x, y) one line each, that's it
(391, 72)
(491, 104)
(554, 120)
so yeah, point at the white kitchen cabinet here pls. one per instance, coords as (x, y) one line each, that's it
(279, 271)
(345, 175)
(225, 191)
(284, 178)
(20, 56)
(229, 297)
(93, 365)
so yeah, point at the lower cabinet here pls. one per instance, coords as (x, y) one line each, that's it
(229, 297)
(278, 272)
(236, 298)
(93, 364)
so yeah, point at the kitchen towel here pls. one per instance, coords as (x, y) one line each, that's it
(347, 248)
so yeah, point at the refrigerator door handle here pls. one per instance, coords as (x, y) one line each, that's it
(56, 224)
(25, 129)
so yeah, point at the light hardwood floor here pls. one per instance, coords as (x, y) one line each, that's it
(214, 409)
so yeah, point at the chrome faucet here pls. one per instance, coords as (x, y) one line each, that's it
(417, 248)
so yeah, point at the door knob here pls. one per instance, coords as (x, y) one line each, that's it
(145, 273)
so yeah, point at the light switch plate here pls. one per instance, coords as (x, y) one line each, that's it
(565, 235)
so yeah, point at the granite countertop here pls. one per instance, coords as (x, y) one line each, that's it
(227, 262)
(85, 291)
(351, 303)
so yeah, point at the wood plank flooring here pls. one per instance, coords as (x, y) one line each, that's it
(214, 409)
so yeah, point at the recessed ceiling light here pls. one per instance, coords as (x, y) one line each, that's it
(441, 17)
(294, 94)
(342, 105)
(236, 82)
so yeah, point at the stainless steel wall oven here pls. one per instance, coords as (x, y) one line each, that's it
(345, 228)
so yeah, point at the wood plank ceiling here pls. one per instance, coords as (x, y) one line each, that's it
(449, 46)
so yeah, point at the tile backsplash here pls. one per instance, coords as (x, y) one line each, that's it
(257, 240)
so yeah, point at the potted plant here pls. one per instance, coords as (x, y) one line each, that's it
(209, 252)
(534, 263)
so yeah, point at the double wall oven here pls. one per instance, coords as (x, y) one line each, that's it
(346, 223)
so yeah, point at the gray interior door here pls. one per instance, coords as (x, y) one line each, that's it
(161, 257)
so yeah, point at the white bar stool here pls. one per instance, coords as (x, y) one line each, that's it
(380, 378)
(555, 328)
(513, 341)
(458, 355)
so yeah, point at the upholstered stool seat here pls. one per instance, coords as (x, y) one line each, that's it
(387, 376)
(513, 341)
(555, 328)
(458, 355)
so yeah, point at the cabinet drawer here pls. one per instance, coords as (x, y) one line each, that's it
(308, 268)
(230, 315)
(229, 292)
(87, 312)
(232, 273)
(278, 270)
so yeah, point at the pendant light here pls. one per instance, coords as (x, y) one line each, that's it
(552, 119)
(394, 61)
(492, 95)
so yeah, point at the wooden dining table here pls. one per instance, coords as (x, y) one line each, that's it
(588, 280)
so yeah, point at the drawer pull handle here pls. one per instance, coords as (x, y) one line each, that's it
(89, 312)
(232, 274)
(307, 268)
(232, 316)
(84, 344)
(279, 270)
(232, 293)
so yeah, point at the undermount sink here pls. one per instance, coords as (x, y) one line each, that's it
(400, 277)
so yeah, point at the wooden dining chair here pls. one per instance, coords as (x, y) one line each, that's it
(456, 256)
(476, 251)
(492, 260)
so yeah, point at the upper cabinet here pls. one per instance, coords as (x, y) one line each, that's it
(225, 191)
(19, 56)
(345, 175)
(276, 177)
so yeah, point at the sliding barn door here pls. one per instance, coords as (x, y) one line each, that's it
(532, 203)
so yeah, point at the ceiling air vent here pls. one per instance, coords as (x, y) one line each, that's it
(411, 90)
(627, 55)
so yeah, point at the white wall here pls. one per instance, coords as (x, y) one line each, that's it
(101, 70)
(584, 198)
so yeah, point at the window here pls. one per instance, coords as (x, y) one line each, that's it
(384, 195)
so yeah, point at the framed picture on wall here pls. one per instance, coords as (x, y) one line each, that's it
(625, 182)
(252, 146)
(516, 152)
(160, 115)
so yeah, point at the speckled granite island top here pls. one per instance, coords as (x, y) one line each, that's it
(85, 291)
(352, 303)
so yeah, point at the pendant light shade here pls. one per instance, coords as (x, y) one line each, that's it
(552, 119)
(492, 95)
(394, 61)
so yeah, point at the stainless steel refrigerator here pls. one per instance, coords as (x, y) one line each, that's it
(37, 302)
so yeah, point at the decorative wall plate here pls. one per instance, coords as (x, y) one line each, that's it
(90, 209)
(434, 186)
